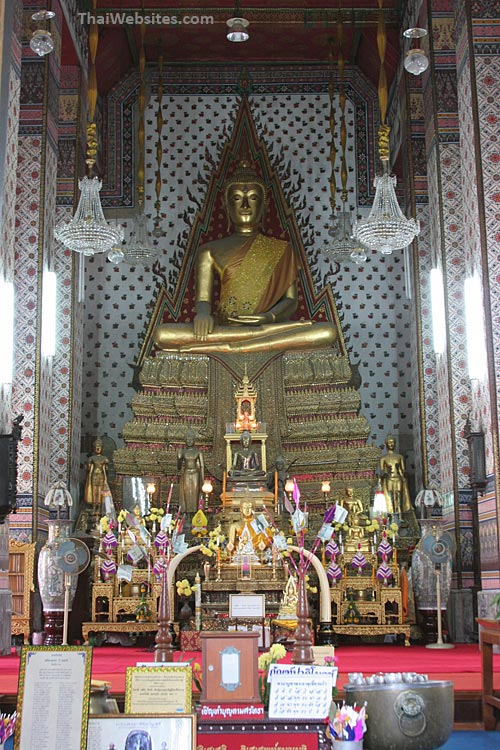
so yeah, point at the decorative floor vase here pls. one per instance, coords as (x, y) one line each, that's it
(51, 582)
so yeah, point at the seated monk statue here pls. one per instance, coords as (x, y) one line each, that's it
(243, 538)
(258, 286)
(246, 462)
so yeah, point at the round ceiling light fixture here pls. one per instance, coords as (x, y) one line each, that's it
(41, 40)
(237, 30)
(416, 61)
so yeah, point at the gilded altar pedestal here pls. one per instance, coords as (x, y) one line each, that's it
(306, 399)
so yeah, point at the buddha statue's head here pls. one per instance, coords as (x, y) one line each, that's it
(390, 442)
(245, 198)
(98, 445)
(189, 438)
(246, 509)
(246, 439)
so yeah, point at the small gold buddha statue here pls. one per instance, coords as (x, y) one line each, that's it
(258, 286)
(393, 479)
(356, 516)
(97, 476)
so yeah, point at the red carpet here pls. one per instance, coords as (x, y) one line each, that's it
(462, 664)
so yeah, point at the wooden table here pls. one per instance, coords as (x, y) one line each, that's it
(489, 636)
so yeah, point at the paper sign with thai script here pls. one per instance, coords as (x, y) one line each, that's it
(231, 711)
(300, 691)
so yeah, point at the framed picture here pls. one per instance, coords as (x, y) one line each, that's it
(158, 689)
(142, 732)
(53, 700)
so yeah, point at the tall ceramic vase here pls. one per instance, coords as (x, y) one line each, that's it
(51, 582)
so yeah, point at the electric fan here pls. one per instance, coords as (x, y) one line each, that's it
(440, 547)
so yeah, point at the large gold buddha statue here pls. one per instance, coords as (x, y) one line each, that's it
(258, 286)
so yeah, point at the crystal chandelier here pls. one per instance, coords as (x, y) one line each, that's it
(386, 229)
(139, 249)
(88, 232)
(343, 248)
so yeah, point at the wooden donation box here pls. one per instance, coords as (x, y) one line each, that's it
(230, 671)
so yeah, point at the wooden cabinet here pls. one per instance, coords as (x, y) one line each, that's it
(21, 564)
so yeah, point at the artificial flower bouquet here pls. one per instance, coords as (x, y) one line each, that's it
(7, 726)
(347, 723)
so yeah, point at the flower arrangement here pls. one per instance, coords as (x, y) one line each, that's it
(275, 653)
(185, 589)
(213, 543)
(7, 726)
(347, 723)
(155, 516)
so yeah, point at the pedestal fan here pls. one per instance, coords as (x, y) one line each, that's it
(72, 558)
(440, 547)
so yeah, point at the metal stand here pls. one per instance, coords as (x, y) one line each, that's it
(439, 643)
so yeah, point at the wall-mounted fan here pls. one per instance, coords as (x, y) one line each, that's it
(440, 548)
(72, 558)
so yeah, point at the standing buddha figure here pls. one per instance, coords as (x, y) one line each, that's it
(97, 476)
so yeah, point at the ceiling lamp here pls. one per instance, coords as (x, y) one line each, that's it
(237, 30)
(343, 248)
(386, 229)
(41, 41)
(88, 232)
(139, 250)
(416, 61)
(237, 26)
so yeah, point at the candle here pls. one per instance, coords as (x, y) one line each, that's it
(197, 592)
(340, 537)
(119, 528)
(375, 537)
(170, 495)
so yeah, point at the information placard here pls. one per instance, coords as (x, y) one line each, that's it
(158, 690)
(53, 702)
(247, 605)
(300, 691)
